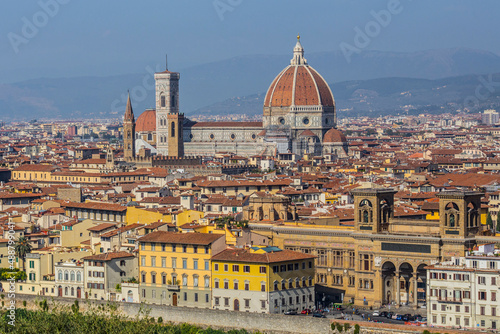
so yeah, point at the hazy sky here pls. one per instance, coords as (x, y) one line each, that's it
(96, 37)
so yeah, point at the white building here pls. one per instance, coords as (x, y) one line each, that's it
(462, 293)
(69, 279)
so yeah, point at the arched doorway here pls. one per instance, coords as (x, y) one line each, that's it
(130, 296)
(388, 274)
(59, 291)
(406, 275)
(236, 305)
(78, 292)
(421, 283)
(174, 299)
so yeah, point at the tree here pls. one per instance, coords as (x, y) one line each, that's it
(489, 221)
(498, 222)
(22, 248)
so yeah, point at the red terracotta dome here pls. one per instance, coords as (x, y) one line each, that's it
(334, 136)
(146, 122)
(299, 84)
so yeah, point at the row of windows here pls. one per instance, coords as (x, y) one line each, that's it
(236, 268)
(458, 295)
(165, 281)
(174, 248)
(290, 283)
(99, 286)
(184, 264)
(96, 215)
(163, 295)
(455, 277)
(69, 276)
(236, 285)
(291, 267)
(290, 300)
(466, 322)
(96, 273)
(246, 302)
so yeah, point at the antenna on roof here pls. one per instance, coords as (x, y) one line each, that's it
(166, 62)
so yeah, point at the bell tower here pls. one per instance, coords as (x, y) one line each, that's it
(129, 132)
(459, 213)
(373, 209)
(169, 121)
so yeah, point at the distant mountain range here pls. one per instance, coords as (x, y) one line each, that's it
(386, 96)
(373, 82)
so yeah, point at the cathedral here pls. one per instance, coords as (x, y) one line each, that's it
(299, 117)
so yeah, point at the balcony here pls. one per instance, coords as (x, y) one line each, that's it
(173, 287)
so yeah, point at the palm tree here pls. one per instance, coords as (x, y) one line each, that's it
(22, 248)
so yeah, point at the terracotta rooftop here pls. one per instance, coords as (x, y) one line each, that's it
(181, 238)
(246, 255)
(108, 256)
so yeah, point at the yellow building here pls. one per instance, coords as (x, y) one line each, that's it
(381, 259)
(139, 215)
(32, 173)
(262, 280)
(174, 268)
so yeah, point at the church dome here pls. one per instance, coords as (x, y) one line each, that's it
(299, 85)
(334, 136)
(146, 122)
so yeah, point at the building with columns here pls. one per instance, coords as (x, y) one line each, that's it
(379, 259)
(299, 116)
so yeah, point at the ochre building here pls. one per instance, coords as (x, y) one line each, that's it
(377, 259)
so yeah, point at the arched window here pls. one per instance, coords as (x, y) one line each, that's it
(172, 129)
(66, 291)
(78, 276)
(72, 275)
(66, 277)
(365, 216)
(59, 275)
(72, 291)
(162, 101)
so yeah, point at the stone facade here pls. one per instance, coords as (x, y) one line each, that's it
(298, 111)
(380, 259)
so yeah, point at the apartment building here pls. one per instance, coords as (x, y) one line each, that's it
(262, 279)
(175, 267)
(462, 293)
(104, 272)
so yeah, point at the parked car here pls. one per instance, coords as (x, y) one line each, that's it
(376, 313)
(318, 315)
(291, 312)
(417, 317)
(383, 314)
(398, 317)
(389, 315)
(306, 311)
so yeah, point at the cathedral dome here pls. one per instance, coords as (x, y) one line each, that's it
(146, 122)
(334, 136)
(299, 85)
